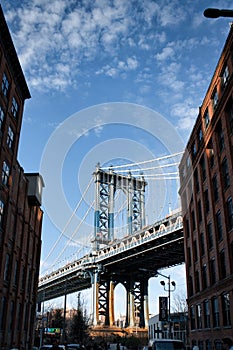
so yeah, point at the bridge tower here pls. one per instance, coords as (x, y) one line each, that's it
(106, 184)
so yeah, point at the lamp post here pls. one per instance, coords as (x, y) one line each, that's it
(169, 290)
(216, 13)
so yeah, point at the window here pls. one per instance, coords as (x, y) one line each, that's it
(225, 173)
(188, 162)
(7, 268)
(220, 136)
(190, 191)
(206, 314)
(230, 213)
(1, 213)
(183, 172)
(215, 98)
(219, 225)
(2, 117)
(199, 211)
(10, 138)
(193, 221)
(218, 344)
(190, 285)
(12, 312)
(187, 227)
(23, 278)
(20, 311)
(195, 250)
(210, 235)
(192, 316)
(14, 107)
(198, 310)
(197, 282)
(3, 313)
(215, 187)
(206, 119)
(5, 85)
(189, 257)
(212, 271)
(200, 136)
(5, 173)
(203, 168)
(200, 344)
(222, 264)
(206, 200)
(226, 309)
(231, 116)
(231, 255)
(16, 273)
(211, 157)
(208, 344)
(202, 244)
(225, 76)
(194, 150)
(215, 312)
(196, 180)
(204, 276)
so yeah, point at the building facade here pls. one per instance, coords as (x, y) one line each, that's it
(206, 175)
(20, 213)
(160, 329)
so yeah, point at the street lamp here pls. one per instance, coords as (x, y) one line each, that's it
(215, 13)
(169, 290)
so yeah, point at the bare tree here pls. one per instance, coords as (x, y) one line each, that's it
(179, 303)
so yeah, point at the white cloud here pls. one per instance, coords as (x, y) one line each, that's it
(166, 53)
(171, 13)
(186, 114)
(169, 77)
(62, 38)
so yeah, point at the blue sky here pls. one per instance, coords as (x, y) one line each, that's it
(83, 57)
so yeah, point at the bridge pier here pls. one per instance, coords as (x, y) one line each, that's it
(137, 309)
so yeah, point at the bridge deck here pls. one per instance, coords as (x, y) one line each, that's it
(143, 253)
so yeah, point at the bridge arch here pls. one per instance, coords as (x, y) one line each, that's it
(120, 296)
(162, 228)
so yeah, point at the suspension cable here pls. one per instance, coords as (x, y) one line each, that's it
(68, 222)
(145, 161)
(157, 174)
(151, 168)
(75, 232)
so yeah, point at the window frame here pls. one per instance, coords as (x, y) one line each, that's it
(5, 173)
(14, 107)
(230, 213)
(10, 138)
(5, 85)
(2, 117)
(215, 98)
(2, 206)
(206, 118)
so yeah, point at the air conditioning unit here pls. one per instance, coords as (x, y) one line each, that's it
(35, 186)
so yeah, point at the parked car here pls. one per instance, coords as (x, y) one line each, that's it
(49, 346)
(75, 347)
(166, 344)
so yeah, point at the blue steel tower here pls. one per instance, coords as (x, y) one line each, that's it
(106, 184)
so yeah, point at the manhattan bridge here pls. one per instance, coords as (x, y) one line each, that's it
(130, 260)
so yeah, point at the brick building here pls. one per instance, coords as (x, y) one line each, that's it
(20, 213)
(206, 174)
